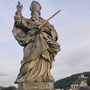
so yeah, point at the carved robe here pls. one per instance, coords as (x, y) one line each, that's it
(40, 48)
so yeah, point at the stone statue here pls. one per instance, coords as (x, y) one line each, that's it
(40, 46)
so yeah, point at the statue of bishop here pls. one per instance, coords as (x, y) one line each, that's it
(40, 46)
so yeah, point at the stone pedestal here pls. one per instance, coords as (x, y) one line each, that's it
(36, 86)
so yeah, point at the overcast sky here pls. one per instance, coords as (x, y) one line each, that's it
(72, 25)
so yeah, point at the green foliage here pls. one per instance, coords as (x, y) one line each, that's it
(9, 88)
(79, 79)
(87, 74)
(66, 82)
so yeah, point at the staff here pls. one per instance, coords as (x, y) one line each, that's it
(48, 19)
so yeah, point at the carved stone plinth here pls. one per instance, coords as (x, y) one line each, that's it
(36, 86)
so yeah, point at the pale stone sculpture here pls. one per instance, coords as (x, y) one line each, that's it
(40, 48)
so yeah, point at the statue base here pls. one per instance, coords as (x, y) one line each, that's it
(36, 86)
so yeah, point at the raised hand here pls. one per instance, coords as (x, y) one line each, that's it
(18, 14)
(19, 7)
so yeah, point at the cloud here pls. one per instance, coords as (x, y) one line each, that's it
(7, 81)
(6, 22)
(73, 62)
(73, 31)
(3, 74)
(79, 58)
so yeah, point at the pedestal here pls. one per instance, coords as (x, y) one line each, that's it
(36, 86)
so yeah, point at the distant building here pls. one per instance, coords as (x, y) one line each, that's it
(80, 82)
(77, 84)
(84, 88)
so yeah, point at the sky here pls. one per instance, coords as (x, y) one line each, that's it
(72, 25)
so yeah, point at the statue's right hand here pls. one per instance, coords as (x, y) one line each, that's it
(19, 7)
(18, 14)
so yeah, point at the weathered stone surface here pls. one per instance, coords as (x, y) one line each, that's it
(40, 48)
(36, 86)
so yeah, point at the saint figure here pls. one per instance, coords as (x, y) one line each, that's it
(40, 45)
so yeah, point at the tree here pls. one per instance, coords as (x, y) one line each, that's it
(9, 88)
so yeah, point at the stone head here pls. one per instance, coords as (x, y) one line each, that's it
(35, 8)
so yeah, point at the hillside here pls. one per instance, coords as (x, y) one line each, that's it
(66, 82)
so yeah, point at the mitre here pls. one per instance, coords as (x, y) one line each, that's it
(35, 6)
